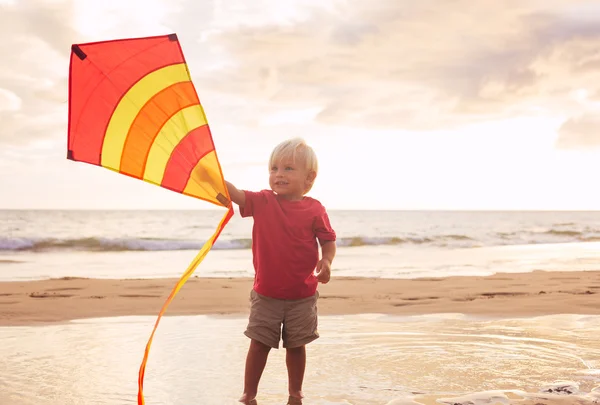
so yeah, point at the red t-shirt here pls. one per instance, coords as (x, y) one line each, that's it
(284, 243)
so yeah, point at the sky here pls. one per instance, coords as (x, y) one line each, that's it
(436, 104)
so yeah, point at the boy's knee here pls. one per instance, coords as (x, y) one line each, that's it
(297, 349)
(257, 346)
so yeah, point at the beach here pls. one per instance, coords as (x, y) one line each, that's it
(506, 339)
(501, 295)
(423, 308)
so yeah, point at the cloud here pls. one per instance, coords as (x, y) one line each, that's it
(580, 132)
(36, 38)
(425, 65)
(35, 48)
(9, 101)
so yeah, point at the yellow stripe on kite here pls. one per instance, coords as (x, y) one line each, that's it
(205, 180)
(167, 139)
(131, 104)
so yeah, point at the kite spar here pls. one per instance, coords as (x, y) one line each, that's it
(133, 109)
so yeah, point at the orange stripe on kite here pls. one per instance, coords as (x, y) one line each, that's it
(148, 123)
(196, 144)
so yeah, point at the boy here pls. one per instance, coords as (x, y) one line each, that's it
(288, 227)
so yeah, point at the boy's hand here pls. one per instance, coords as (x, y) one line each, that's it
(237, 196)
(323, 271)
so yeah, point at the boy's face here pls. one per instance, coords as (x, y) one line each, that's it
(289, 178)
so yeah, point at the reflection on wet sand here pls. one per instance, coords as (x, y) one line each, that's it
(360, 360)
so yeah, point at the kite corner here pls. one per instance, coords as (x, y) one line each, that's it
(78, 51)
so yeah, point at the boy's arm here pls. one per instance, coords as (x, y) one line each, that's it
(328, 250)
(237, 196)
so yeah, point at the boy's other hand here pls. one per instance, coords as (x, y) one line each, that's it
(323, 271)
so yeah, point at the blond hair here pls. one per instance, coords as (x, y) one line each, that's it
(298, 150)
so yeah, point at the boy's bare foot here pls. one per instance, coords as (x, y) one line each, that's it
(294, 400)
(244, 400)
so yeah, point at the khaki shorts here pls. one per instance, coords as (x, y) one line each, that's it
(268, 315)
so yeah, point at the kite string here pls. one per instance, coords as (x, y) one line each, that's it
(186, 275)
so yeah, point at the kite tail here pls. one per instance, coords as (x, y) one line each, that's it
(190, 270)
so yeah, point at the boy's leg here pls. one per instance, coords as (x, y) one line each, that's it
(299, 328)
(295, 360)
(264, 329)
(256, 361)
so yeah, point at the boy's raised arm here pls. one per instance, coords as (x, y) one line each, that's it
(237, 196)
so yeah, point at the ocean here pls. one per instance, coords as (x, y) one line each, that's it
(388, 244)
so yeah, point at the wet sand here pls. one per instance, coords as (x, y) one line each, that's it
(505, 295)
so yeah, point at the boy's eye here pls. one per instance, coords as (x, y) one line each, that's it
(289, 168)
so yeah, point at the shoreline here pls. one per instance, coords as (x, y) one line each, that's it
(501, 295)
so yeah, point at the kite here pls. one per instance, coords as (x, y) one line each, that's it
(133, 109)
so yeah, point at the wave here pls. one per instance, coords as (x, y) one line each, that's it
(93, 244)
(99, 244)
(113, 245)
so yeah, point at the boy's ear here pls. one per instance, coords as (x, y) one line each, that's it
(312, 175)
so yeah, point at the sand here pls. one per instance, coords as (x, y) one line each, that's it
(501, 295)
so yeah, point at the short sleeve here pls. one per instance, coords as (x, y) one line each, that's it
(322, 227)
(255, 201)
